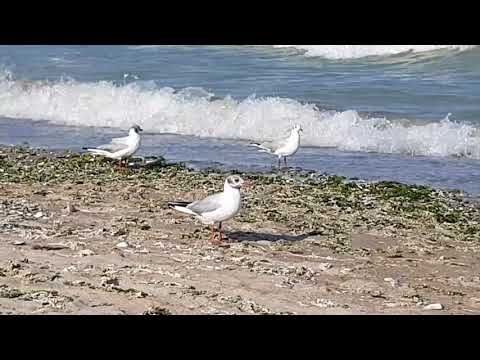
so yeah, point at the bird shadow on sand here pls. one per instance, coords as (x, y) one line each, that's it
(239, 236)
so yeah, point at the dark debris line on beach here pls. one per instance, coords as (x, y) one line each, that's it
(315, 205)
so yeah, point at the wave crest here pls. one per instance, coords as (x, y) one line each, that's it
(359, 51)
(194, 111)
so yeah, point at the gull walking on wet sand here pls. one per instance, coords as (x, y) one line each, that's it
(216, 208)
(282, 147)
(120, 148)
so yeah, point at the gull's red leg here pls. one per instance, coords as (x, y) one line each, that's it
(212, 239)
(124, 164)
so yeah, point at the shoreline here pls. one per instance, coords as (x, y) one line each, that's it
(78, 237)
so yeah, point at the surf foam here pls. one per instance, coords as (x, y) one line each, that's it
(192, 111)
(359, 51)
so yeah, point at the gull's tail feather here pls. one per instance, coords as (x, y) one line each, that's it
(261, 147)
(178, 203)
(181, 206)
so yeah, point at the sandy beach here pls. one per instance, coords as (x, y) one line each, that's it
(79, 237)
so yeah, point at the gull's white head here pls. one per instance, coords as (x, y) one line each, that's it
(236, 182)
(136, 128)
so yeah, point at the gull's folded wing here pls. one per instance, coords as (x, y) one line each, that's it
(210, 203)
(115, 145)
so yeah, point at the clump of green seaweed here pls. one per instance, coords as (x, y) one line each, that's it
(156, 310)
(24, 165)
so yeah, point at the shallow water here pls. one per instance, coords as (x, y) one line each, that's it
(203, 153)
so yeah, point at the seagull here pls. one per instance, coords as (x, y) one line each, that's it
(120, 148)
(215, 208)
(284, 147)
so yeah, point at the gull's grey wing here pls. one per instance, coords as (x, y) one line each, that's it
(275, 144)
(120, 140)
(210, 203)
(112, 147)
(115, 145)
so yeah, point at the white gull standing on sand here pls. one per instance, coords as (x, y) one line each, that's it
(282, 147)
(120, 148)
(216, 208)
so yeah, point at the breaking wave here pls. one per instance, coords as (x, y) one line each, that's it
(194, 111)
(359, 51)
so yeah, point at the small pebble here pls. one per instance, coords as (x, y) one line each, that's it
(71, 268)
(119, 232)
(325, 266)
(71, 208)
(38, 215)
(143, 251)
(122, 245)
(433, 307)
(391, 305)
(109, 281)
(392, 282)
(264, 242)
(86, 252)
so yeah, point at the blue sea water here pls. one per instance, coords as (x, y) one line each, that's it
(407, 113)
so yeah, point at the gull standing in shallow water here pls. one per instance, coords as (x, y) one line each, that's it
(215, 208)
(284, 147)
(120, 148)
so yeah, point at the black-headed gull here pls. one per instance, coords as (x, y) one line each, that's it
(216, 208)
(120, 148)
(283, 147)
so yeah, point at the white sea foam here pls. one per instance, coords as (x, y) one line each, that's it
(141, 47)
(359, 51)
(192, 111)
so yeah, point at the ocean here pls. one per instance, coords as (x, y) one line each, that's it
(408, 113)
